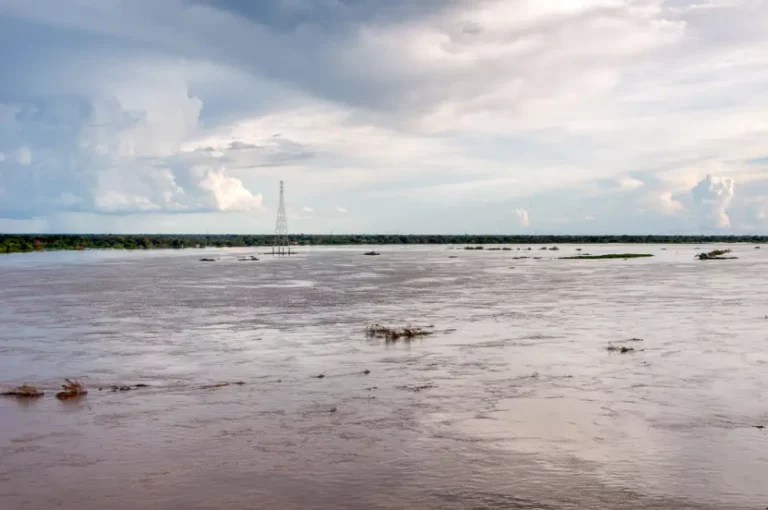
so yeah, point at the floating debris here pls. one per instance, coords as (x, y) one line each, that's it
(394, 334)
(142, 385)
(761, 427)
(366, 372)
(25, 390)
(609, 256)
(321, 376)
(620, 349)
(417, 389)
(715, 255)
(372, 253)
(332, 410)
(221, 385)
(72, 389)
(207, 260)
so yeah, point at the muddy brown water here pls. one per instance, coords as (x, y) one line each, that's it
(513, 403)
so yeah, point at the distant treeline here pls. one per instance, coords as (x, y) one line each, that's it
(11, 243)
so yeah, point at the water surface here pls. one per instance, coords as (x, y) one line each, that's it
(514, 403)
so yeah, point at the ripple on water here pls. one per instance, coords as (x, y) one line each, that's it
(515, 404)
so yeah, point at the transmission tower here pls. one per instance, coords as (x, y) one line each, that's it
(281, 245)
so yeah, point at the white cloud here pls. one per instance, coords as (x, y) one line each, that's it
(629, 183)
(666, 204)
(341, 210)
(308, 210)
(712, 197)
(608, 105)
(757, 212)
(2, 157)
(522, 217)
(228, 193)
(24, 156)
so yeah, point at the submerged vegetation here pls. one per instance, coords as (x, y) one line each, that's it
(620, 349)
(395, 334)
(609, 256)
(71, 389)
(25, 390)
(715, 255)
(11, 243)
(623, 349)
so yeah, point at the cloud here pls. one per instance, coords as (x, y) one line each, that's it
(712, 196)
(228, 193)
(24, 156)
(522, 216)
(181, 110)
(2, 157)
(757, 212)
(117, 152)
(341, 210)
(629, 183)
(308, 210)
(664, 203)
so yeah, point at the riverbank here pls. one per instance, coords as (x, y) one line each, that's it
(14, 243)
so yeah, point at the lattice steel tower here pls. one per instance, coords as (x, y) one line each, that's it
(281, 245)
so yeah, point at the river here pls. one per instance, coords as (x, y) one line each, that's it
(514, 401)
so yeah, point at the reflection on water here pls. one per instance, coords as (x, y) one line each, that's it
(516, 403)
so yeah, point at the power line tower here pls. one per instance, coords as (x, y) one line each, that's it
(281, 244)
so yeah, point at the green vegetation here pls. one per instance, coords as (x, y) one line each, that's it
(715, 255)
(609, 256)
(11, 243)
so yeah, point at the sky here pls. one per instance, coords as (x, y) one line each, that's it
(384, 116)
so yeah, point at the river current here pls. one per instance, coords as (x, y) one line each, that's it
(514, 402)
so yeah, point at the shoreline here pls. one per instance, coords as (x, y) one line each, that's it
(27, 243)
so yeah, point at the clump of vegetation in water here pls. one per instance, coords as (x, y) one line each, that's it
(222, 385)
(372, 253)
(622, 349)
(71, 389)
(554, 248)
(25, 390)
(395, 334)
(608, 256)
(715, 255)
